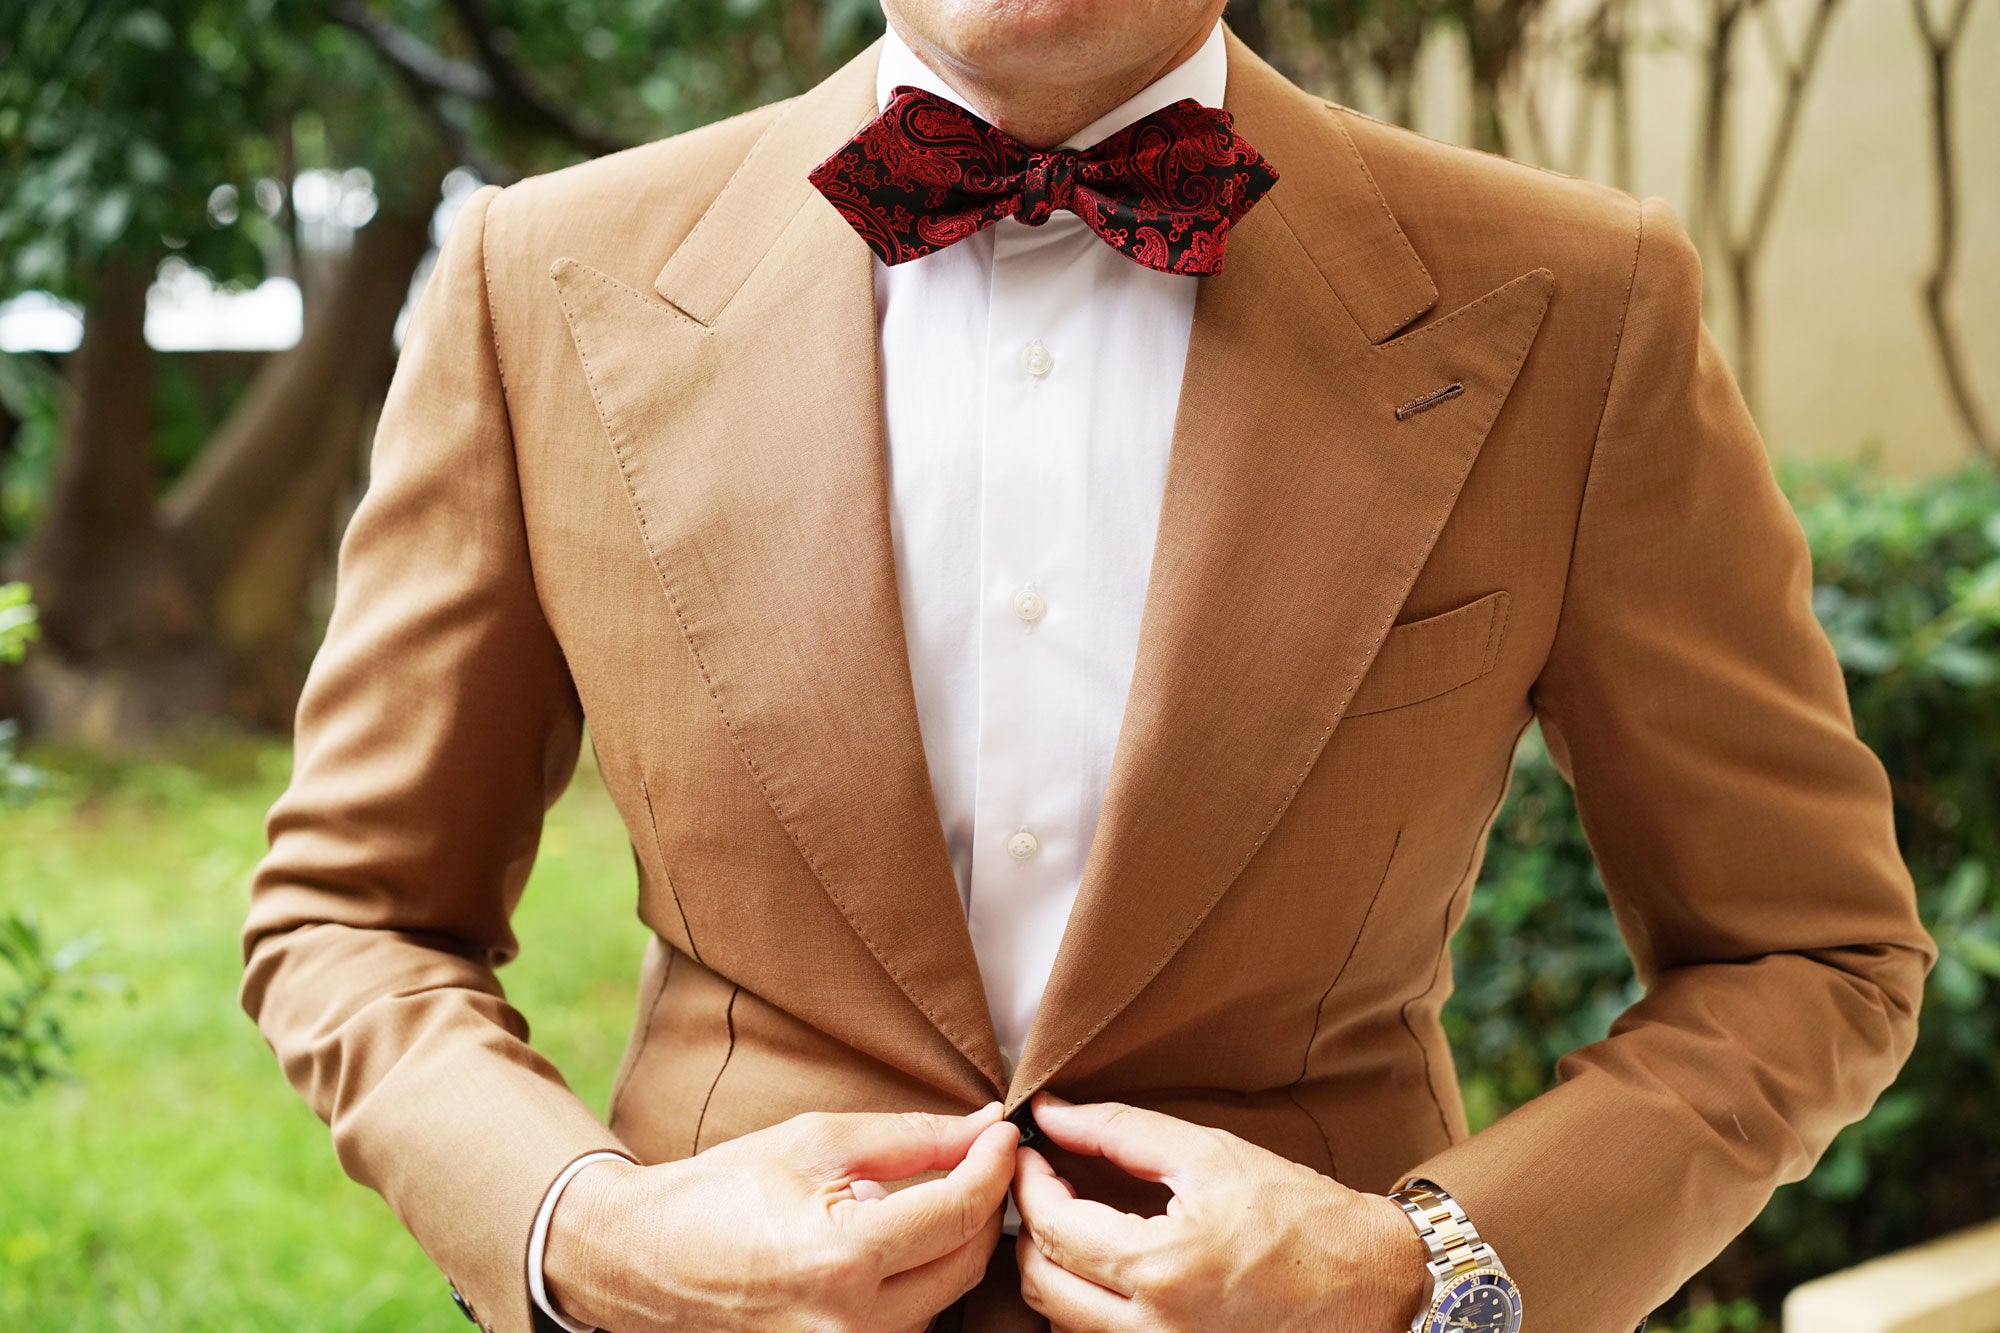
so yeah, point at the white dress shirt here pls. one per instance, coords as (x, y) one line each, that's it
(1029, 380)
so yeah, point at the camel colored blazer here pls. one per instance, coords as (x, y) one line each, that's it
(631, 472)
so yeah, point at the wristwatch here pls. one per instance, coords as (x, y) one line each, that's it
(1470, 1289)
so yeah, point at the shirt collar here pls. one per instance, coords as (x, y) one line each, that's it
(1200, 76)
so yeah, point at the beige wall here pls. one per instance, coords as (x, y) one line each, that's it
(1847, 353)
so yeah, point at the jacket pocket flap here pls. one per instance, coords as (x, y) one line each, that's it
(1421, 659)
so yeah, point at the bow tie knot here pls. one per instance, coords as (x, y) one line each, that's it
(1164, 191)
(1049, 184)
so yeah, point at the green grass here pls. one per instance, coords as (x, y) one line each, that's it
(178, 1183)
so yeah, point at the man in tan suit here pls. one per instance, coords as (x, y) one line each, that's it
(1289, 465)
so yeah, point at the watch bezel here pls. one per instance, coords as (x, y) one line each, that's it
(1449, 1289)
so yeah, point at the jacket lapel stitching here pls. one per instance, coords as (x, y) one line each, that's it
(1429, 297)
(621, 450)
(1518, 352)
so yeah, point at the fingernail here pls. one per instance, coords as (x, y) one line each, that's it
(1050, 1099)
(989, 1107)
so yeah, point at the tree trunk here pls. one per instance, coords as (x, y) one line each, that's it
(1743, 313)
(159, 610)
(267, 615)
(213, 513)
(252, 522)
(1488, 133)
(1622, 155)
(1495, 37)
(122, 644)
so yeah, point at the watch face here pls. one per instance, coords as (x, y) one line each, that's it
(1484, 1300)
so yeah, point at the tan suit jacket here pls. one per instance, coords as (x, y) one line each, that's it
(631, 470)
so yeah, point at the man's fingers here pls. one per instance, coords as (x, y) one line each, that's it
(916, 1295)
(836, 1148)
(1067, 1301)
(1081, 1236)
(1143, 1143)
(1028, 1162)
(932, 1218)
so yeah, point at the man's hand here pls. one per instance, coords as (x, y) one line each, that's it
(787, 1228)
(1250, 1240)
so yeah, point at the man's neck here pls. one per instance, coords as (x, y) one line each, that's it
(1042, 114)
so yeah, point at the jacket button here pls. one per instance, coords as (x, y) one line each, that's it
(1024, 1120)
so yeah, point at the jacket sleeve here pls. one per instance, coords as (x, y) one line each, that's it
(1745, 839)
(437, 724)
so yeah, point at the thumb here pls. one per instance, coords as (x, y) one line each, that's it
(881, 1146)
(1142, 1143)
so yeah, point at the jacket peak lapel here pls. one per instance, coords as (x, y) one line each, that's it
(744, 410)
(1299, 508)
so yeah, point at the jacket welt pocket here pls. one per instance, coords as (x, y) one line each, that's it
(1421, 659)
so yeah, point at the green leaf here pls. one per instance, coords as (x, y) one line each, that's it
(1980, 952)
(1894, 1112)
(1865, 653)
(1966, 666)
(145, 27)
(147, 163)
(1964, 891)
(1842, 1173)
(108, 218)
(1956, 983)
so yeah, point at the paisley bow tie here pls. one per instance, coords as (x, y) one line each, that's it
(1163, 191)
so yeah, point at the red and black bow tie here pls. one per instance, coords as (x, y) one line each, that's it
(1163, 191)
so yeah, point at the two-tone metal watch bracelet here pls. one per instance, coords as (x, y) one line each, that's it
(1453, 1242)
(1449, 1235)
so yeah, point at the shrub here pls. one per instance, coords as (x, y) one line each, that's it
(17, 622)
(34, 1039)
(47, 983)
(1907, 585)
(18, 628)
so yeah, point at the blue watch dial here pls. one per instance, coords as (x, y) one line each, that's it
(1484, 1300)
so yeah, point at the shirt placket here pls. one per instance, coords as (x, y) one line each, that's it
(1033, 617)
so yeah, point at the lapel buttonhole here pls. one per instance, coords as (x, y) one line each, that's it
(1428, 400)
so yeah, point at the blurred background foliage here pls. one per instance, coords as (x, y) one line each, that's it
(175, 511)
(1907, 577)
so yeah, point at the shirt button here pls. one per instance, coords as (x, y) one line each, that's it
(1029, 606)
(1023, 845)
(1035, 359)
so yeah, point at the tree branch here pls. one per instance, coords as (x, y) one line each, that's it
(1942, 48)
(1743, 247)
(510, 90)
(1798, 73)
(430, 79)
(419, 64)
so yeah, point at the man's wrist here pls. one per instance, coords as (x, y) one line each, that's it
(1399, 1259)
(559, 1258)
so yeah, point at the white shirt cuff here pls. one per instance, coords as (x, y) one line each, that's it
(538, 1240)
